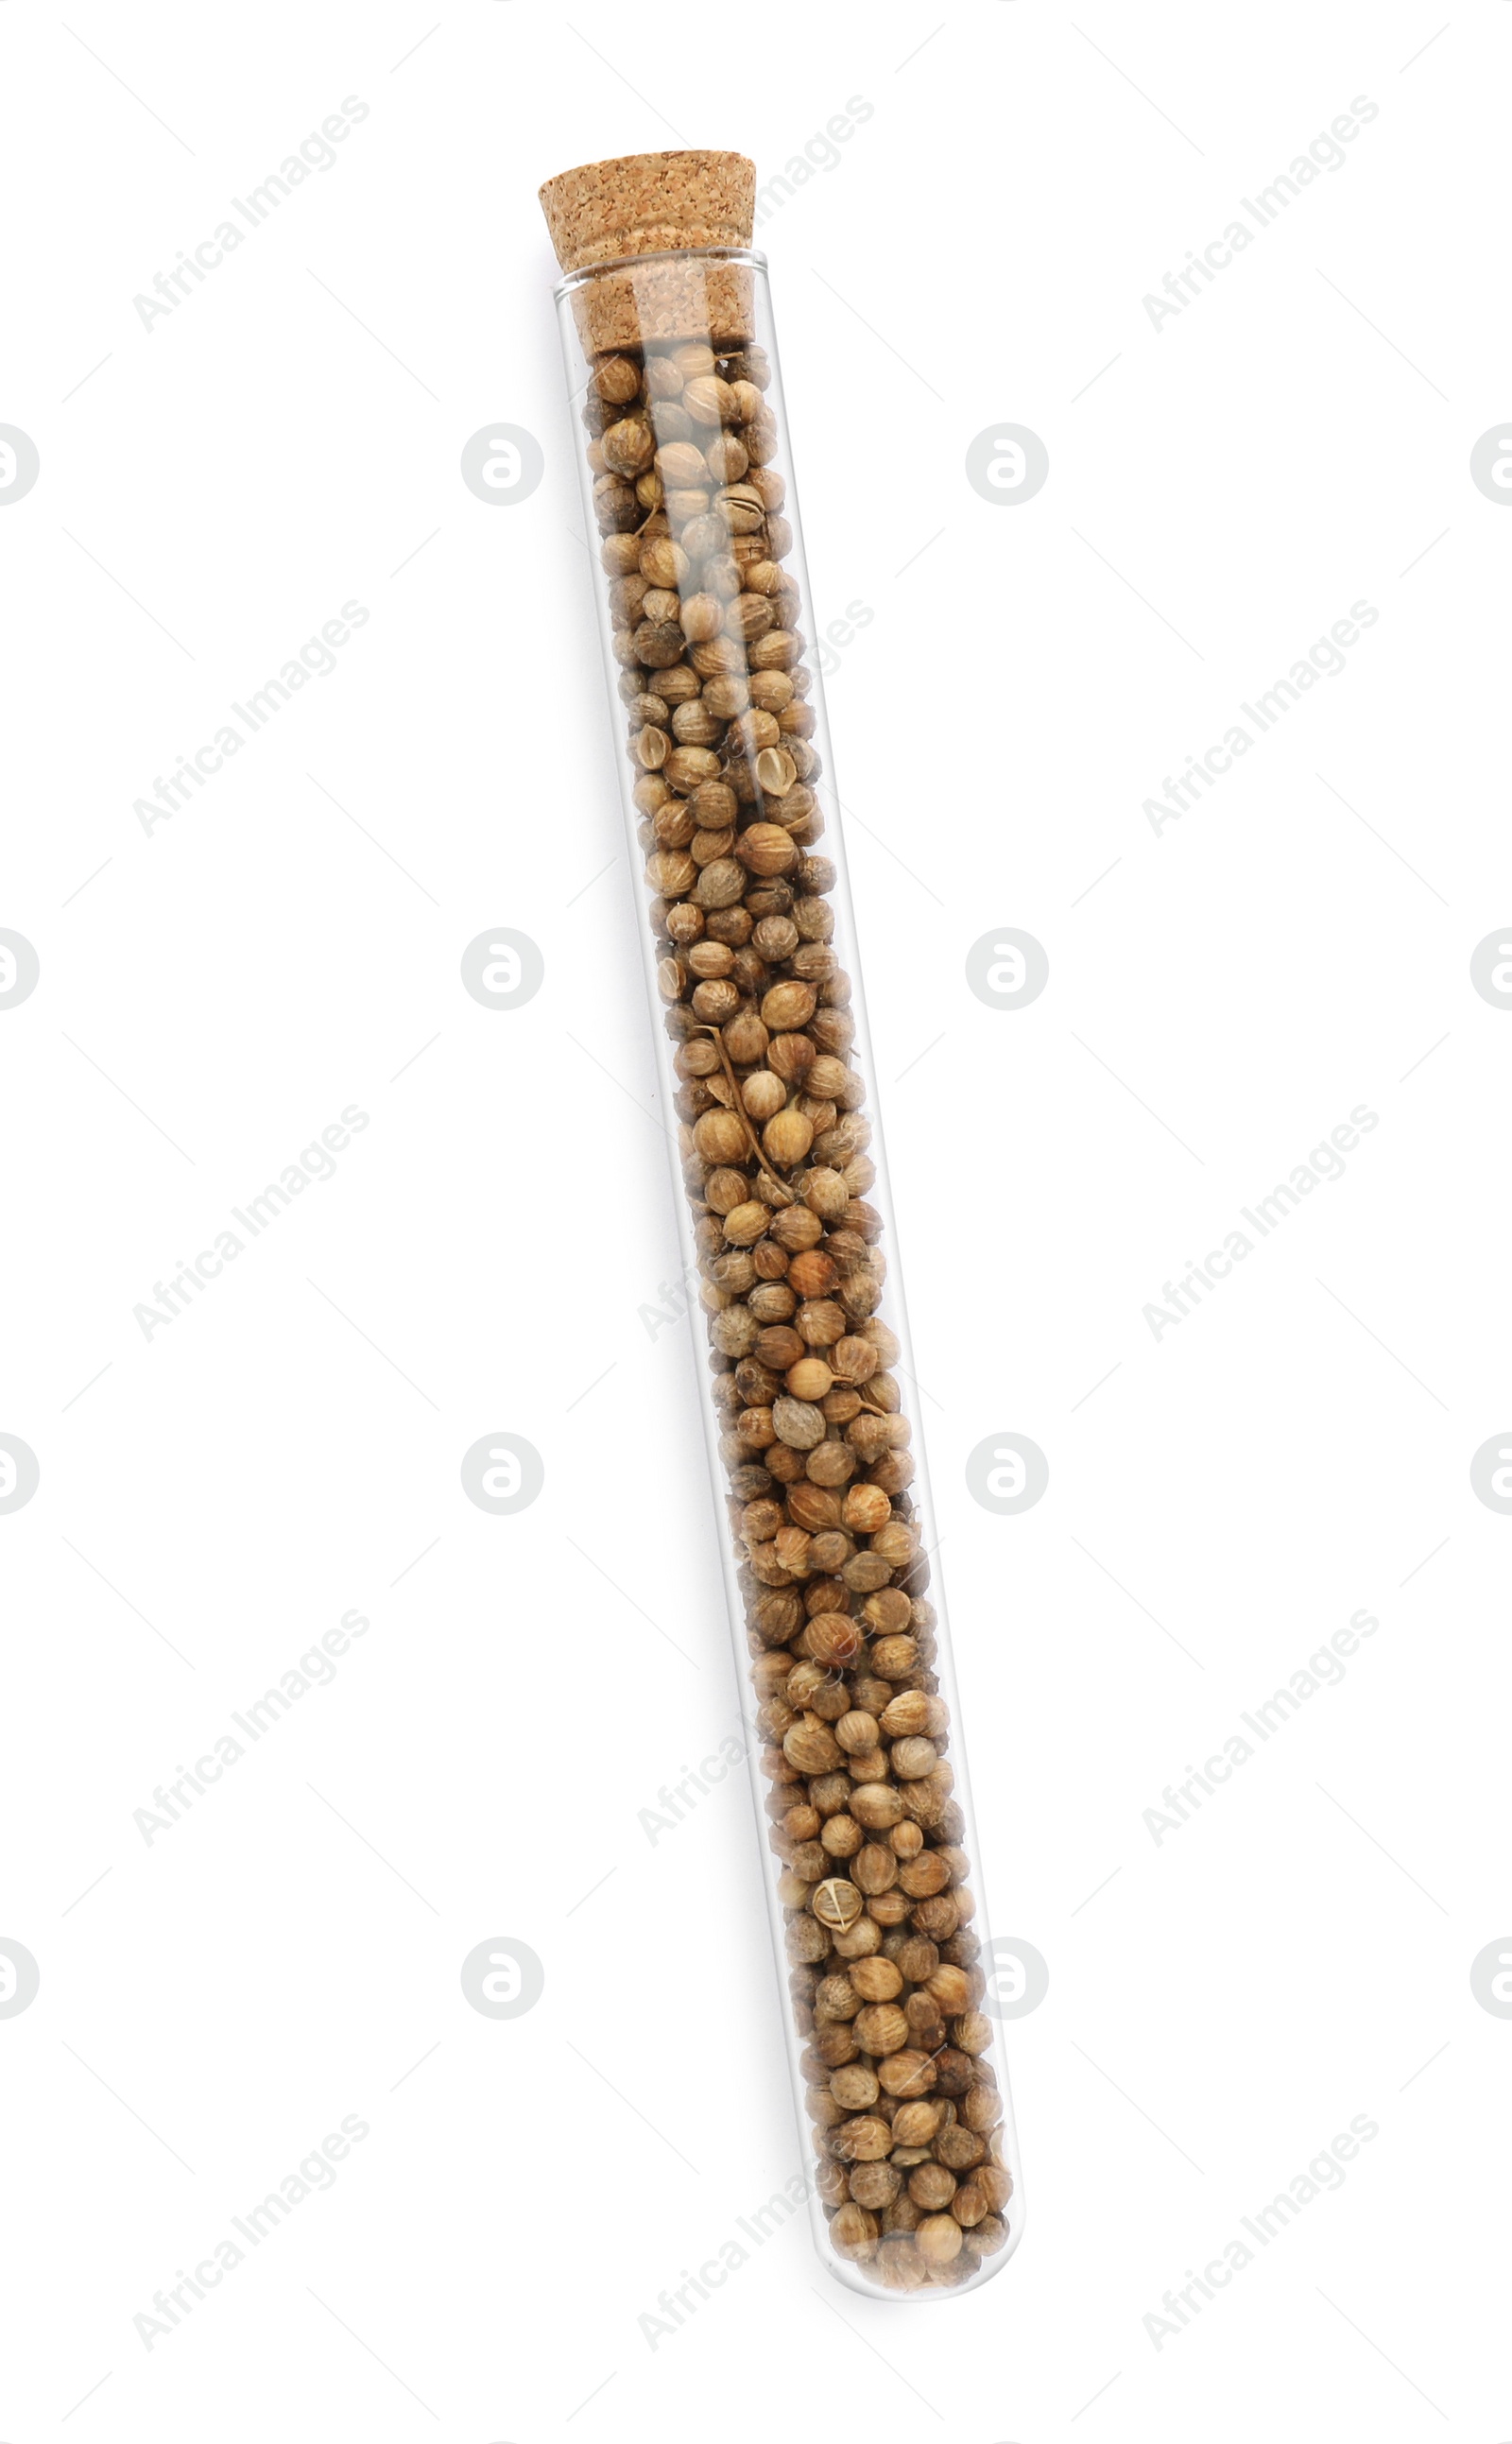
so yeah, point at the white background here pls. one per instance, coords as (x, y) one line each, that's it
(1220, 995)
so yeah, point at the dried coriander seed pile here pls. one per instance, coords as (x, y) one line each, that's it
(886, 1981)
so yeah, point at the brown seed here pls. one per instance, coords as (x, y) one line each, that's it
(835, 1903)
(909, 1711)
(746, 398)
(720, 884)
(877, 1980)
(787, 1006)
(937, 1919)
(720, 1138)
(869, 1766)
(951, 1988)
(762, 1094)
(811, 1747)
(744, 1224)
(832, 1464)
(881, 2027)
(775, 769)
(911, 1760)
(747, 616)
(875, 1869)
(821, 1324)
(787, 1138)
(709, 401)
(629, 446)
(984, 2239)
(916, 2126)
(810, 1504)
(939, 2238)
(981, 2110)
(686, 767)
(972, 2033)
(897, 1544)
(727, 458)
(663, 380)
(811, 1273)
(719, 656)
(996, 2185)
(724, 1190)
(918, 1958)
(745, 1039)
(742, 508)
(708, 848)
(810, 1378)
(925, 1876)
(836, 1995)
(834, 1640)
(766, 849)
(876, 1806)
(892, 1657)
(931, 2186)
(832, 2040)
(858, 1940)
(960, 2148)
(797, 1423)
(854, 2230)
(792, 1056)
(618, 380)
(866, 1509)
(702, 617)
(662, 563)
(807, 1940)
(864, 2140)
(875, 2185)
(692, 725)
(680, 465)
(671, 870)
(909, 2073)
(659, 644)
(754, 730)
(778, 652)
(797, 1229)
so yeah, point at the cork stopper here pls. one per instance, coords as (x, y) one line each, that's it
(656, 204)
(647, 203)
